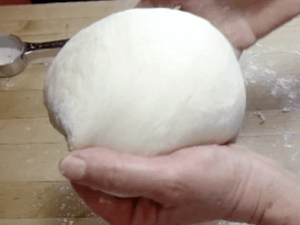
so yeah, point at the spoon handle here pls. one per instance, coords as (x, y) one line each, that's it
(36, 53)
(45, 45)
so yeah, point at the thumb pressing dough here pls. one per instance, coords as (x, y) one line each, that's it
(146, 82)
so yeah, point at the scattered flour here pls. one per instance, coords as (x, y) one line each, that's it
(63, 206)
(7, 55)
(287, 136)
(286, 109)
(29, 160)
(281, 86)
(294, 157)
(288, 146)
(260, 116)
(6, 83)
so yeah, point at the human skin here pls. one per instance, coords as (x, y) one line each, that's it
(197, 184)
(242, 21)
(189, 186)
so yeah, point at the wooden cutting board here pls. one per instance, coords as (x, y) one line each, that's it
(32, 191)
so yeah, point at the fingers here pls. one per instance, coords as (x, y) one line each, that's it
(117, 174)
(109, 208)
(118, 210)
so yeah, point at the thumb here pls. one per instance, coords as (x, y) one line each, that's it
(117, 174)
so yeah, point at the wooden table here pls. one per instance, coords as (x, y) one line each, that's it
(32, 191)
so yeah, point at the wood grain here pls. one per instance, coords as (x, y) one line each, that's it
(38, 28)
(32, 191)
(31, 162)
(276, 123)
(22, 104)
(31, 78)
(38, 23)
(28, 131)
(64, 10)
(23, 200)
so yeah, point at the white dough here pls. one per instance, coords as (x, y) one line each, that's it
(146, 82)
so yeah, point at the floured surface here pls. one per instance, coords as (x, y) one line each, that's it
(31, 189)
(269, 85)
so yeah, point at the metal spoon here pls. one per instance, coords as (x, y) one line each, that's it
(28, 52)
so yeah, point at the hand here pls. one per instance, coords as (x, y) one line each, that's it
(188, 186)
(244, 21)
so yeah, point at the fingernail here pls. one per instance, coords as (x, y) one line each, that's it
(72, 167)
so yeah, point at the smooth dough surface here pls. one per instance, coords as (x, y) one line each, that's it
(146, 82)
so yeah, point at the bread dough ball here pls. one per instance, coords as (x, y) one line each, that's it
(146, 82)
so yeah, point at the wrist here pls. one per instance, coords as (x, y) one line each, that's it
(267, 195)
(285, 205)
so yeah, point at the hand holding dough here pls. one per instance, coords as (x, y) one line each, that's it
(146, 82)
